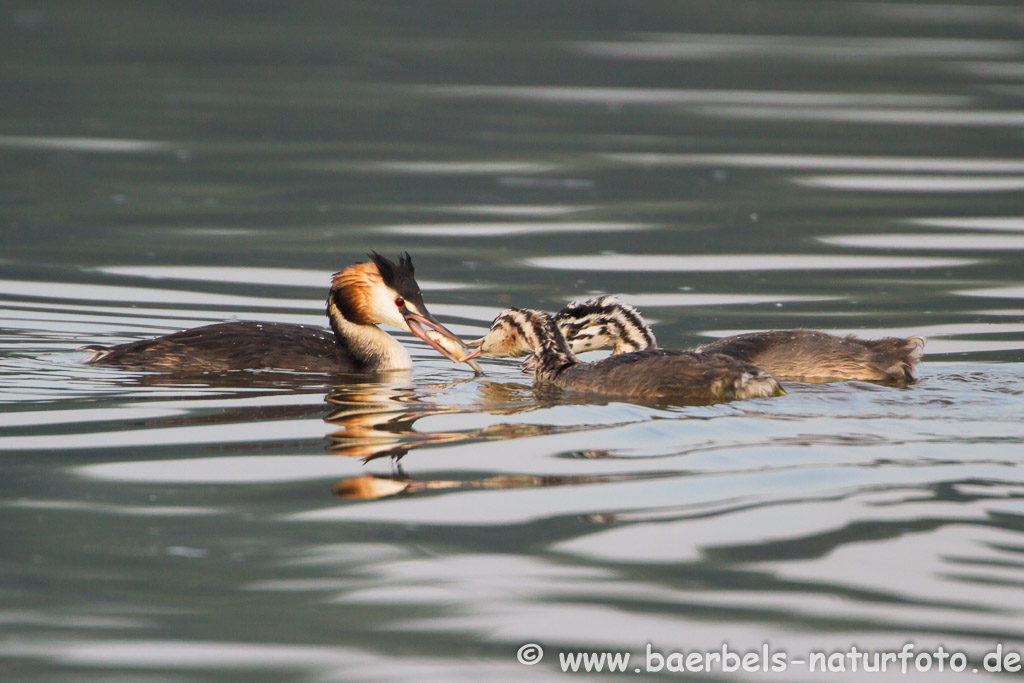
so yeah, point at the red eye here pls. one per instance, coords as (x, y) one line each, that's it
(399, 302)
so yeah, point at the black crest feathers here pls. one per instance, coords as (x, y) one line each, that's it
(400, 276)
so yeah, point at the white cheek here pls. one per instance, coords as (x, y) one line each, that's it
(385, 311)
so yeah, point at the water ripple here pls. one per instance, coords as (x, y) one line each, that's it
(277, 430)
(671, 300)
(663, 96)
(277, 277)
(455, 167)
(83, 144)
(923, 241)
(76, 291)
(743, 262)
(509, 229)
(907, 183)
(1008, 223)
(708, 46)
(871, 116)
(826, 162)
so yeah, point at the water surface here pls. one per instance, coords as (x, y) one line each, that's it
(852, 167)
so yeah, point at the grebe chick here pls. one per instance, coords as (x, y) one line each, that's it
(790, 355)
(604, 321)
(361, 297)
(598, 322)
(654, 373)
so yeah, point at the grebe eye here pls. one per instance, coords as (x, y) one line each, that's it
(400, 302)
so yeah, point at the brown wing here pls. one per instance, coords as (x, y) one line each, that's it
(242, 345)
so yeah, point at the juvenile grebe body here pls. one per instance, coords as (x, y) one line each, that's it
(361, 297)
(653, 373)
(789, 355)
(811, 355)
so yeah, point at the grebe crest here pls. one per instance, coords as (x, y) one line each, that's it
(377, 292)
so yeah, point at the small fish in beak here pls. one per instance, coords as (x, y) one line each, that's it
(457, 349)
(438, 337)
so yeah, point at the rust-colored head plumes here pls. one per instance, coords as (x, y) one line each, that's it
(350, 292)
(357, 290)
(364, 292)
(383, 292)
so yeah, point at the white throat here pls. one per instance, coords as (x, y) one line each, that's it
(368, 344)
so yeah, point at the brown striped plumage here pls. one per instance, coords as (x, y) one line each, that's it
(654, 373)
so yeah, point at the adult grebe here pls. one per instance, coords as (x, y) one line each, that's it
(790, 355)
(654, 373)
(361, 297)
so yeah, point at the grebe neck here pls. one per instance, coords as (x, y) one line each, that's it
(549, 346)
(369, 345)
(604, 321)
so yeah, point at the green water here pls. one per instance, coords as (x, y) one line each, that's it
(725, 167)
